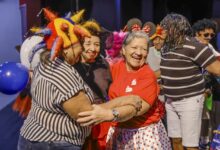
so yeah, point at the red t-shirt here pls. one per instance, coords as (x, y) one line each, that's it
(142, 83)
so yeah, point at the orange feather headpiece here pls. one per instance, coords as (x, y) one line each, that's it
(160, 32)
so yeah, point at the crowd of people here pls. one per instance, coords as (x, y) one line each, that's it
(147, 92)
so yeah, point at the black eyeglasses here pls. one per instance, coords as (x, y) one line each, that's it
(209, 34)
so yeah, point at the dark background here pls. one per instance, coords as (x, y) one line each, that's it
(113, 14)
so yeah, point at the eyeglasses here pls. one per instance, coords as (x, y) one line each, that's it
(209, 34)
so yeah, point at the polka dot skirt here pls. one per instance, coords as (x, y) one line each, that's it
(152, 137)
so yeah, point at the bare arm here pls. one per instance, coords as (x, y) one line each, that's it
(122, 101)
(214, 68)
(140, 105)
(77, 104)
(80, 103)
(128, 112)
(126, 106)
(144, 108)
(100, 114)
(103, 112)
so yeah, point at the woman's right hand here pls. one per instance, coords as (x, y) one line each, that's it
(95, 116)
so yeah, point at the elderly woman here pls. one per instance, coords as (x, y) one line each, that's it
(93, 68)
(95, 71)
(132, 76)
(59, 93)
(183, 82)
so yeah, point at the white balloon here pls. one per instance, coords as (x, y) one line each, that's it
(26, 51)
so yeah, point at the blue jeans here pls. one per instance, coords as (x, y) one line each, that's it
(24, 144)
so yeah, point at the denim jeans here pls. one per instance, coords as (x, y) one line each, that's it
(24, 144)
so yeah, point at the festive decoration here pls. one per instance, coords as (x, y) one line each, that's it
(61, 32)
(114, 45)
(160, 32)
(13, 77)
(58, 34)
(133, 24)
(149, 28)
(22, 103)
(30, 51)
(92, 24)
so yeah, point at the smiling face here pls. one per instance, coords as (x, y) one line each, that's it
(135, 53)
(91, 48)
(158, 42)
(72, 53)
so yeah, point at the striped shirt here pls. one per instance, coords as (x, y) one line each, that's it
(52, 84)
(181, 69)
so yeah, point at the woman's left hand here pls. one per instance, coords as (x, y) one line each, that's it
(95, 116)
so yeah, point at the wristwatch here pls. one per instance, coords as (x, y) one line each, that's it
(115, 114)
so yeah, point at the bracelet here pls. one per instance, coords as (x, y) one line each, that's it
(115, 114)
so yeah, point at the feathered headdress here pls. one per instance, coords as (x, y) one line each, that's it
(160, 32)
(92, 25)
(60, 32)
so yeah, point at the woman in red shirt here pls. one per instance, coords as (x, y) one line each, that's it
(131, 76)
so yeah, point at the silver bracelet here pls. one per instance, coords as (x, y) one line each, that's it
(115, 114)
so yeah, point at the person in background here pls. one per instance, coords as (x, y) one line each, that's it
(204, 30)
(154, 54)
(182, 80)
(95, 71)
(22, 103)
(59, 93)
(132, 75)
(93, 67)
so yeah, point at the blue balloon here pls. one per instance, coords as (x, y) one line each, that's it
(13, 77)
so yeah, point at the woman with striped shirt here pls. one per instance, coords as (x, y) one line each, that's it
(59, 93)
(183, 57)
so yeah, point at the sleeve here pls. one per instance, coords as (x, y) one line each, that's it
(151, 60)
(71, 93)
(203, 56)
(148, 88)
(216, 53)
(71, 84)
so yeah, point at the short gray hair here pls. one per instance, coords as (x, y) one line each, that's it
(135, 34)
